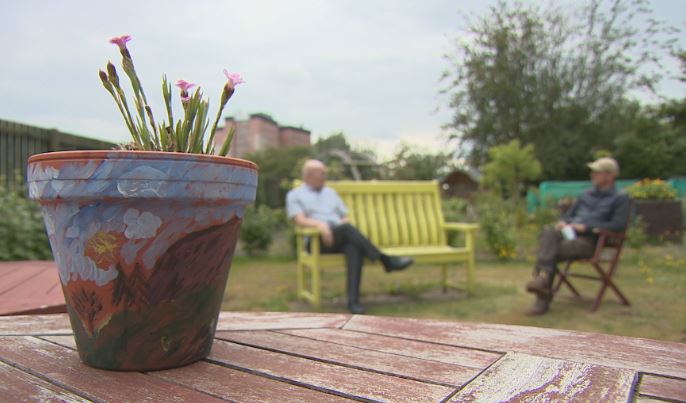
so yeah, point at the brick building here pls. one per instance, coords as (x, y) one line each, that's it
(258, 133)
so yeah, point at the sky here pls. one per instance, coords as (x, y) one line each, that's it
(368, 68)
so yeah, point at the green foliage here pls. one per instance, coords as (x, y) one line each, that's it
(653, 144)
(258, 227)
(510, 167)
(636, 234)
(648, 189)
(409, 164)
(456, 209)
(278, 168)
(22, 232)
(343, 161)
(497, 224)
(556, 78)
(547, 214)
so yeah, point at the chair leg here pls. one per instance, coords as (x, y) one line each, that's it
(562, 278)
(444, 277)
(606, 279)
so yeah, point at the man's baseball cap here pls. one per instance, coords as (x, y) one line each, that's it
(605, 164)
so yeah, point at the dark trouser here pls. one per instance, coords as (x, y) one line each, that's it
(553, 248)
(348, 240)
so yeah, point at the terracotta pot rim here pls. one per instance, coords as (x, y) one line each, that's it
(151, 155)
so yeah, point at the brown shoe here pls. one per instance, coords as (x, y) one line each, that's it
(540, 306)
(540, 286)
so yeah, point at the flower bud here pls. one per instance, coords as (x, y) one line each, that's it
(103, 77)
(227, 93)
(112, 71)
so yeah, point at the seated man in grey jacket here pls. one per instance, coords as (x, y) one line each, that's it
(574, 237)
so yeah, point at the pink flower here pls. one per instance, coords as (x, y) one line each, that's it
(234, 78)
(184, 85)
(121, 41)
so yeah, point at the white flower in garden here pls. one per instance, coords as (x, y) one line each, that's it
(140, 225)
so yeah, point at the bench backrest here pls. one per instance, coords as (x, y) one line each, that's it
(395, 213)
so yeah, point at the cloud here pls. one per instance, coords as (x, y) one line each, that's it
(367, 68)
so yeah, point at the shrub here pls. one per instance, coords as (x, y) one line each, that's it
(636, 234)
(497, 225)
(648, 189)
(456, 209)
(259, 225)
(22, 232)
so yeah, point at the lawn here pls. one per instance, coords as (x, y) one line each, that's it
(653, 279)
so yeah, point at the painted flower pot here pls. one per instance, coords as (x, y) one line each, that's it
(143, 242)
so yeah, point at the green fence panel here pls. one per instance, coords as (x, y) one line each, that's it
(553, 191)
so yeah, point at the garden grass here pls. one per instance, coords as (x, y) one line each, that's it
(653, 279)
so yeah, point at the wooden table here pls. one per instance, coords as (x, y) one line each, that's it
(331, 357)
(30, 287)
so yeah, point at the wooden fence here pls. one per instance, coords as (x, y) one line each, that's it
(19, 141)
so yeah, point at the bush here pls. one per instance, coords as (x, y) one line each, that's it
(648, 189)
(259, 225)
(22, 232)
(546, 214)
(456, 209)
(636, 234)
(497, 225)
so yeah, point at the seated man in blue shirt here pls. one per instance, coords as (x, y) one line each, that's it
(575, 236)
(317, 206)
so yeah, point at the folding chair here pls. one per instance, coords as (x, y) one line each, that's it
(604, 261)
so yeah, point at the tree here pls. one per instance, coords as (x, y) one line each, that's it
(343, 161)
(509, 170)
(278, 168)
(654, 143)
(552, 78)
(652, 147)
(409, 164)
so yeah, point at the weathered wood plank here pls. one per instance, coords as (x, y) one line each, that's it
(408, 367)
(34, 324)
(465, 357)
(327, 377)
(51, 324)
(228, 383)
(18, 386)
(523, 378)
(30, 287)
(279, 320)
(240, 386)
(62, 366)
(653, 356)
(66, 341)
(661, 387)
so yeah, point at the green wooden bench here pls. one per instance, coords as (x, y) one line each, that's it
(403, 218)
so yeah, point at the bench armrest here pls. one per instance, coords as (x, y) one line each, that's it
(460, 226)
(306, 231)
